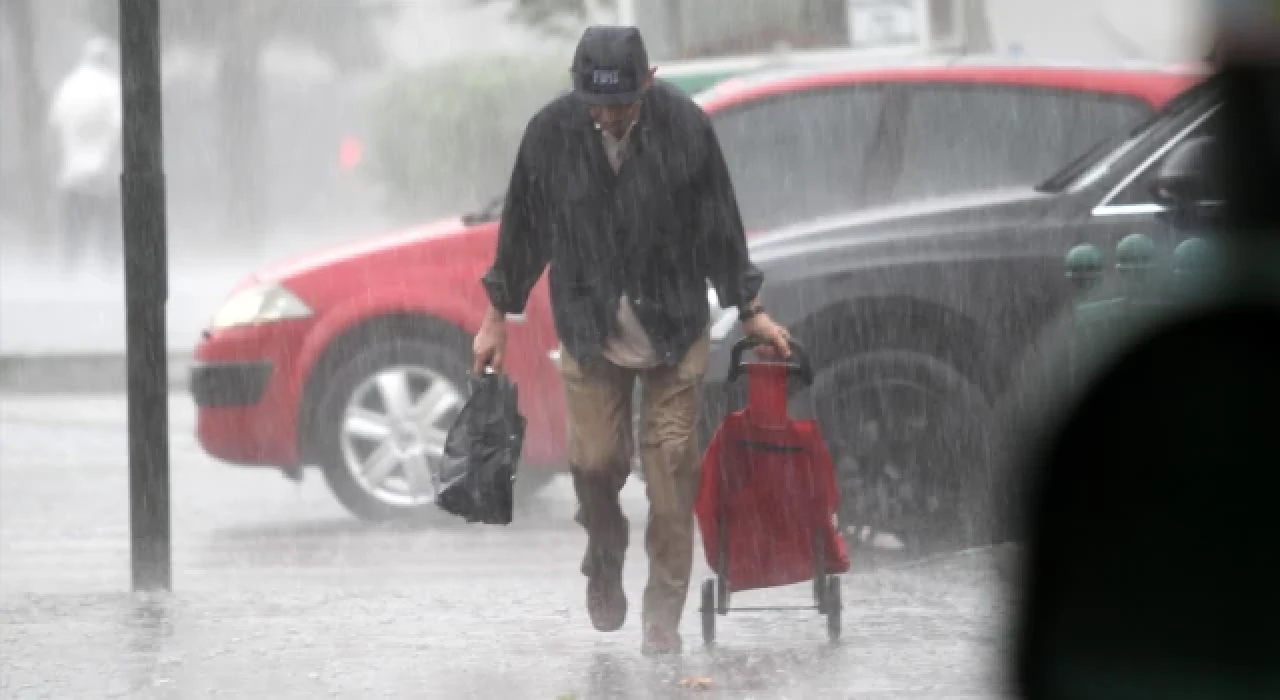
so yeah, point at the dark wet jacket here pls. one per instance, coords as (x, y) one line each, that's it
(657, 230)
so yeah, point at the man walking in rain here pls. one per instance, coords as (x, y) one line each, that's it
(621, 187)
(86, 116)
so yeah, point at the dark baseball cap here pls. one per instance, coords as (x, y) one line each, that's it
(610, 65)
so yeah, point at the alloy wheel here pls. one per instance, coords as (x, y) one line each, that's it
(902, 454)
(393, 433)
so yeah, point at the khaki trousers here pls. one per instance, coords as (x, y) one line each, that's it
(599, 399)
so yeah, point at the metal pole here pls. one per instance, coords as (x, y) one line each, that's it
(146, 291)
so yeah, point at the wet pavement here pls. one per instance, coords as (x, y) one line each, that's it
(278, 593)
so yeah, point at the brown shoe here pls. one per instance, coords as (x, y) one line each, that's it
(606, 603)
(658, 641)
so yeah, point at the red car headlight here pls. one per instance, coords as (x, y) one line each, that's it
(262, 303)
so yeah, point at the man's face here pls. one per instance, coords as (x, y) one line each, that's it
(616, 119)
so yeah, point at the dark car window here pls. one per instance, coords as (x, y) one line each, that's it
(799, 156)
(1097, 118)
(1095, 163)
(967, 138)
(1139, 190)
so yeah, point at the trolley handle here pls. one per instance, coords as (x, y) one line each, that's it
(798, 364)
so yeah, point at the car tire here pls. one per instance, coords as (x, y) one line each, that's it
(450, 361)
(426, 359)
(944, 445)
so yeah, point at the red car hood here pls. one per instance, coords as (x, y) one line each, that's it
(383, 245)
(444, 240)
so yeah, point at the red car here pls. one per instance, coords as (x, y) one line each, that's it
(356, 359)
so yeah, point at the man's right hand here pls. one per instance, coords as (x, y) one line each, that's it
(490, 346)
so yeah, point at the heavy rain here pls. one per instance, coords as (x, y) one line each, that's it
(908, 175)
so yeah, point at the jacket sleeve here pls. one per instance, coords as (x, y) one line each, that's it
(523, 249)
(723, 240)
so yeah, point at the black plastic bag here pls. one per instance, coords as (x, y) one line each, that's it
(482, 453)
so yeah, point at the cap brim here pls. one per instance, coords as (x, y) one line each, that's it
(615, 99)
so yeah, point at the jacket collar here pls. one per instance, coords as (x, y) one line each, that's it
(578, 119)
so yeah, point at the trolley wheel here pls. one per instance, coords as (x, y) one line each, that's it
(722, 558)
(819, 571)
(709, 611)
(834, 607)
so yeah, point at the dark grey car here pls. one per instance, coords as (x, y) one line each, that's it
(916, 317)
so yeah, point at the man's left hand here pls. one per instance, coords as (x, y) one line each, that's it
(774, 335)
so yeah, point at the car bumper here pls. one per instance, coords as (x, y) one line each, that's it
(243, 382)
(229, 384)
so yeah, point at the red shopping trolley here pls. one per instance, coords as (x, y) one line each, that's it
(768, 499)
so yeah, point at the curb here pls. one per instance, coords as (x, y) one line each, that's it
(88, 373)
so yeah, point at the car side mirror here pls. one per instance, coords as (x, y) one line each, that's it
(1186, 182)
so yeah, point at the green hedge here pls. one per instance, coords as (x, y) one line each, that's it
(445, 136)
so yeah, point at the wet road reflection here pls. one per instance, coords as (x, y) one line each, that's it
(279, 594)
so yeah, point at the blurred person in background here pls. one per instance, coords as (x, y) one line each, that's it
(622, 188)
(86, 117)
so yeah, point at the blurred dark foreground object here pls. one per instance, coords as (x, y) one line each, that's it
(482, 453)
(1152, 568)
